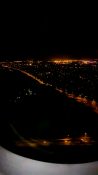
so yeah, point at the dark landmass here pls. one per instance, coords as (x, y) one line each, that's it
(36, 125)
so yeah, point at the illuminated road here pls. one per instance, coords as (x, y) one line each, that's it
(92, 104)
(32, 76)
(39, 144)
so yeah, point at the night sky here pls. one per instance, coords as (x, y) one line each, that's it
(42, 33)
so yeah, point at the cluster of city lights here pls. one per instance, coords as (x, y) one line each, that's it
(93, 104)
(69, 61)
(34, 143)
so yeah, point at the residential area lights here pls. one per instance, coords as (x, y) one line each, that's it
(84, 139)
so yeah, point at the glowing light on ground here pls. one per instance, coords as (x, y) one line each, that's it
(69, 61)
(92, 104)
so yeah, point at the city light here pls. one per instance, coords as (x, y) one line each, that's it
(70, 78)
(86, 139)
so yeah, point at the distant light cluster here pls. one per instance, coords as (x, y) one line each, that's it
(84, 139)
(69, 61)
(78, 79)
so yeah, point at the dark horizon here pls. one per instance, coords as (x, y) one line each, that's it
(42, 35)
(13, 53)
